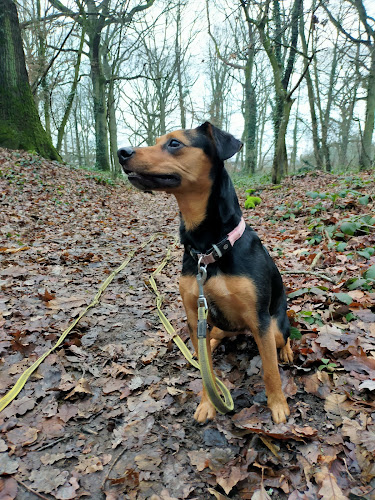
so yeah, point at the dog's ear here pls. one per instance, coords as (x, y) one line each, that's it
(226, 144)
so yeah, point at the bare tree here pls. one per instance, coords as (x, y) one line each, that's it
(94, 19)
(367, 39)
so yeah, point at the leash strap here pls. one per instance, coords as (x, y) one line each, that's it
(222, 402)
(210, 382)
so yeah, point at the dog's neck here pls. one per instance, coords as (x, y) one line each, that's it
(219, 211)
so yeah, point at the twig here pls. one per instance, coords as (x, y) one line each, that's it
(318, 275)
(52, 443)
(30, 489)
(110, 469)
(315, 261)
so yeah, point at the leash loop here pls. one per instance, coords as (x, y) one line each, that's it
(217, 392)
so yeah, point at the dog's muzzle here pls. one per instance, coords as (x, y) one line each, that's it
(124, 154)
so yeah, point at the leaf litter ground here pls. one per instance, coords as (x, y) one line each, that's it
(109, 415)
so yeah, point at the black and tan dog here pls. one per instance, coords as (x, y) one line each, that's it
(244, 289)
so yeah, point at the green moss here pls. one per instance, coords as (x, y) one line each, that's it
(20, 126)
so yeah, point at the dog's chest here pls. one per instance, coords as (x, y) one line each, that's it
(230, 300)
(217, 318)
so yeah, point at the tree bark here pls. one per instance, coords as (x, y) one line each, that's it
(311, 96)
(366, 159)
(20, 126)
(72, 93)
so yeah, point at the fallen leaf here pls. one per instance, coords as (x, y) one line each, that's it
(82, 387)
(8, 466)
(8, 489)
(228, 478)
(148, 461)
(47, 479)
(329, 489)
(23, 436)
(261, 494)
(217, 494)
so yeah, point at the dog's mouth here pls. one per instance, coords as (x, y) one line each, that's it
(152, 181)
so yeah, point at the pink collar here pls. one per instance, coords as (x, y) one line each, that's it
(223, 246)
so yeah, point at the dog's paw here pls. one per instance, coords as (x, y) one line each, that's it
(286, 353)
(205, 411)
(214, 344)
(279, 409)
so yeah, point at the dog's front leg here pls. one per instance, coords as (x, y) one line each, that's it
(189, 294)
(276, 400)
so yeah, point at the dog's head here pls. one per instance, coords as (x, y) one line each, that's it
(180, 160)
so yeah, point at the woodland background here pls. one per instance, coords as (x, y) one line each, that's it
(283, 75)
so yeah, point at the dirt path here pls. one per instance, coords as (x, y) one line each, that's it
(110, 414)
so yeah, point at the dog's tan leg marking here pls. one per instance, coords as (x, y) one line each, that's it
(236, 297)
(189, 294)
(286, 353)
(266, 343)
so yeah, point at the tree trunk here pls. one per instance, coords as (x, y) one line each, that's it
(178, 68)
(112, 128)
(100, 108)
(250, 111)
(293, 156)
(20, 126)
(366, 159)
(250, 127)
(280, 159)
(71, 95)
(311, 95)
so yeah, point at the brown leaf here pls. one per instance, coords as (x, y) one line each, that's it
(129, 480)
(261, 494)
(113, 385)
(51, 458)
(8, 466)
(329, 336)
(47, 479)
(147, 358)
(13, 250)
(66, 303)
(68, 491)
(46, 296)
(329, 489)
(148, 461)
(8, 489)
(23, 435)
(318, 383)
(337, 407)
(217, 495)
(88, 465)
(199, 458)
(82, 387)
(253, 420)
(228, 478)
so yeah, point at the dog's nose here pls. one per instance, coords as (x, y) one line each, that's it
(125, 153)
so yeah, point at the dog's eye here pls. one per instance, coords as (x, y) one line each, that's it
(174, 144)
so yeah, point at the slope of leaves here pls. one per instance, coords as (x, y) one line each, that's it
(109, 415)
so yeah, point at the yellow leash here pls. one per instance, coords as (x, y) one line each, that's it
(18, 386)
(210, 382)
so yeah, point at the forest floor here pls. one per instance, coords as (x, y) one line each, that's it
(110, 414)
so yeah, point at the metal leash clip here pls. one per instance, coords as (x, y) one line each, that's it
(201, 279)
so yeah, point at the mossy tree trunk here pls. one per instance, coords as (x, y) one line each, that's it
(20, 126)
